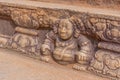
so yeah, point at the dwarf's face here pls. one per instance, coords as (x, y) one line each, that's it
(65, 30)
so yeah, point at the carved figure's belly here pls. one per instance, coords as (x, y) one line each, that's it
(64, 52)
(64, 55)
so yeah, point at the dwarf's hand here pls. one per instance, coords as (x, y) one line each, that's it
(45, 50)
(81, 56)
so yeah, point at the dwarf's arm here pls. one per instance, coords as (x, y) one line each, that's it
(86, 49)
(48, 45)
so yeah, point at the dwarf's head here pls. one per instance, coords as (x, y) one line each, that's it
(65, 29)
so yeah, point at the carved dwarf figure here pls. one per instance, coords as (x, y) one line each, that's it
(67, 45)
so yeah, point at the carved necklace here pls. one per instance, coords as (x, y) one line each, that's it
(62, 43)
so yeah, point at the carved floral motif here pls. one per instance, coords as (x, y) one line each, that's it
(106, 62)
(25, 41)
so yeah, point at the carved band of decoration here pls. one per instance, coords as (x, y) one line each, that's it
(26, 41)
(107, 30)
(107, 63)
(107, 60)
(101, 26)
(31, 19)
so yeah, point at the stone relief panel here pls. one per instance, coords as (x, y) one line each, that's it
(86, 41)
(4, 40)
(107, 30)
(107, 63)
(25, 40)
(66, 45)
(32, 18)
(107, 60)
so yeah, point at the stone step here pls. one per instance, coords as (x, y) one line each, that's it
(35, 5)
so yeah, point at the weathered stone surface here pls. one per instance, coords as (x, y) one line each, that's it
(89, 38)
(25, 43)
(6, 27)
(26, 31)
(107, 63)
(4, 40)
(105, 28)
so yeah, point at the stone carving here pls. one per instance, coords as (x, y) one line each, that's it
(32, 19)
(106, 61)
(106, 30)
(66, 45)
(69, 38)
(26, 18)
(25, 40)
(4, 40)
(101, 26)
